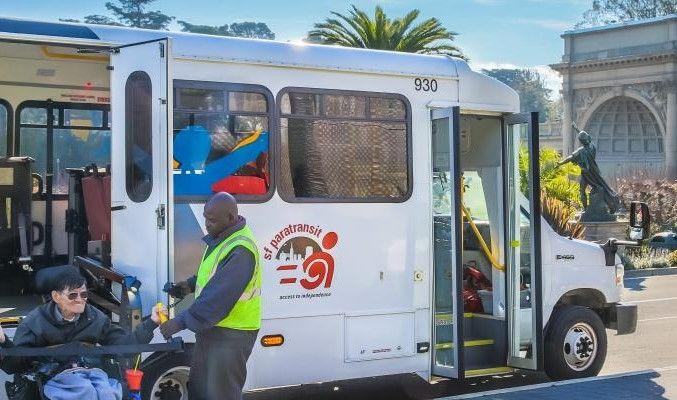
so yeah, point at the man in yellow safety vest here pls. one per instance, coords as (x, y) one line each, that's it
(226, 314)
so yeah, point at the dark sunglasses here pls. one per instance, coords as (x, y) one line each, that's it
(74, 295)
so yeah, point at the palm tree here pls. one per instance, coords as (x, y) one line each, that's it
(381, 32)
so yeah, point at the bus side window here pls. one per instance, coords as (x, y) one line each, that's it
(339, 146)
(79, 134)
(139, 136)
(221, 140)
(5, 121)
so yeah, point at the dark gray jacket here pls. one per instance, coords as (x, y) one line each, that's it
(43, 327)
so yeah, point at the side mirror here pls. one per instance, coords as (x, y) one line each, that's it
(640, 220)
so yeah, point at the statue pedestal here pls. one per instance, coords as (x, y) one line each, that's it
(597, 210)
(601, 231)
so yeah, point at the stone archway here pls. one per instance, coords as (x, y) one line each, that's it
(651, 96)
(627, 134)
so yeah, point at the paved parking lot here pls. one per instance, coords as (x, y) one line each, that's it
(653, 384)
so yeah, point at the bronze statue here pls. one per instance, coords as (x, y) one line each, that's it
(591, 176)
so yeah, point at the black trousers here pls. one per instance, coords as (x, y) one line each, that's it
(219, 366)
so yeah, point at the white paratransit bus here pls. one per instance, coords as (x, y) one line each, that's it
(383, 189)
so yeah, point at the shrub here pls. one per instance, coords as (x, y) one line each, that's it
(672, 259)
(659, 194)
(559, 215)
(645, 257)
(556, 182)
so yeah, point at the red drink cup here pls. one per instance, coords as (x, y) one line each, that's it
(133, 377)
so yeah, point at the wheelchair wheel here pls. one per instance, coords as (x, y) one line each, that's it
(166, 378)
(22, 388)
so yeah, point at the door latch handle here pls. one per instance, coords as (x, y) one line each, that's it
(161, 216)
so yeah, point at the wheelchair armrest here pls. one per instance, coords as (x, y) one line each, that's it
(80, 349)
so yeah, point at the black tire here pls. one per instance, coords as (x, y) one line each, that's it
(565, 318)
(157, 368)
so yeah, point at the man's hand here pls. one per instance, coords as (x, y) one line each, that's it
(2, 335)
(170, 327)
(155, 313)
(178, 290)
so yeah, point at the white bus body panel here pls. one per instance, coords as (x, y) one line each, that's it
(378, 306)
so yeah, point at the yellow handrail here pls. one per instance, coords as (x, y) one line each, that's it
(480, 239)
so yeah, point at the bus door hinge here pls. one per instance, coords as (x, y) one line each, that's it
(162, 50)
(161, 216)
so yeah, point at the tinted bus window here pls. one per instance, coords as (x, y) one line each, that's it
(221, 140)
(4, 128)
(139, 136)
(344, 147)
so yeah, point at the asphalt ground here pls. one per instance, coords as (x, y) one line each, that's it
(655, 384)
(651, 349)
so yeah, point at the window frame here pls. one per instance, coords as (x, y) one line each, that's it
(367, 94)
(273, 126)
(132, 186)
(10, 127)
(49, 131)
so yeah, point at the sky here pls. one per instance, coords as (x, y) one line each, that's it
(492, 33)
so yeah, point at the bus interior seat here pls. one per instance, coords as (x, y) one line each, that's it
(15, 208)
(89, 213)
(97, 197)
(220, 156)
(472, 249)
(15, 225)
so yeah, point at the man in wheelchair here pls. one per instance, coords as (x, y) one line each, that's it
(67, 318)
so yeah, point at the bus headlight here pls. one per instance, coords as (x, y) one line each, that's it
(620, 272)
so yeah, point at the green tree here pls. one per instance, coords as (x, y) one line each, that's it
(256, 30)
(604, 12)
(556, 109)
(358, 29)
(134, 13)
(534, 96)
(223, 30)
(101, 20)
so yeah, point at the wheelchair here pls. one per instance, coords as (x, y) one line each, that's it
(47, 362)
(29, 385)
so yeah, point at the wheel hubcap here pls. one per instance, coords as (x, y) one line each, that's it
(172, 385)
(580, 346)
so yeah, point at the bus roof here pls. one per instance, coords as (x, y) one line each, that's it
(270, 52)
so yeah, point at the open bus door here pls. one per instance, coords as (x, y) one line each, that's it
(140, 104)
(523, 233)
(447, 344)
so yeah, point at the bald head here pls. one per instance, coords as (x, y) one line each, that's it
(220, 213)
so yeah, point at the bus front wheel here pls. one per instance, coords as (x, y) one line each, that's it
(575, 345)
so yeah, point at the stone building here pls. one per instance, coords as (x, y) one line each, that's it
(550, 135)
(620, 85)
